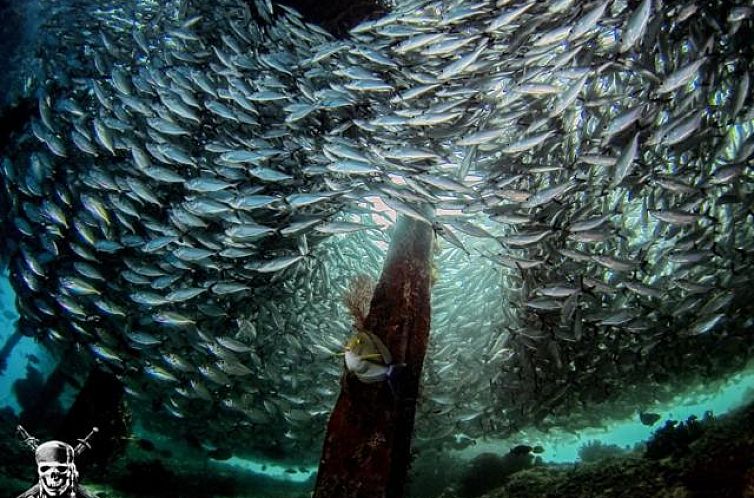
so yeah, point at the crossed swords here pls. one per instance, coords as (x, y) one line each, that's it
(33, 442)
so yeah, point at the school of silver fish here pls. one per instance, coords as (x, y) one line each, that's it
(203, 179)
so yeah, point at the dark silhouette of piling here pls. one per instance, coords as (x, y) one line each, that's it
(367, 448)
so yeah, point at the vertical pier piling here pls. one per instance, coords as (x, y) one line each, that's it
(367, 449)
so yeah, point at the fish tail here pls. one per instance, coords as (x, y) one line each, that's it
(392, 377)
(709, 215)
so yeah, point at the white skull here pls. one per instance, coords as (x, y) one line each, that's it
(55, 467)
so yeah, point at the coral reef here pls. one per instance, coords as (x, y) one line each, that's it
(674, 437)
(431, 472)
(489, 470)
(595, 450)
(707, 458)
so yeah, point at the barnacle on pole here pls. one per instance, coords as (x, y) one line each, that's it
(358, 298)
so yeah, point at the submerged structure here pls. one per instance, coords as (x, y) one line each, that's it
(367, 449)
(198, 183)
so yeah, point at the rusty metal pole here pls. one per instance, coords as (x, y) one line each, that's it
(367, 449)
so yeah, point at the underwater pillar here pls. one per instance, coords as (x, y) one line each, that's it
(367, 449)
(100, 403)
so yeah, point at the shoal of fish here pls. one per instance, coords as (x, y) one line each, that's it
(201, 182)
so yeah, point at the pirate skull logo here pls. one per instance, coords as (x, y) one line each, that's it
(56, 468)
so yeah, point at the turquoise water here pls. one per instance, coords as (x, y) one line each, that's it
(269, 469)
(563, 447)
(18, 360)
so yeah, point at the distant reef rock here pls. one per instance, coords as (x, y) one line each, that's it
(718, 462)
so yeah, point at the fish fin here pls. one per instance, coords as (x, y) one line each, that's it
(383, 350)
(373, 356)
